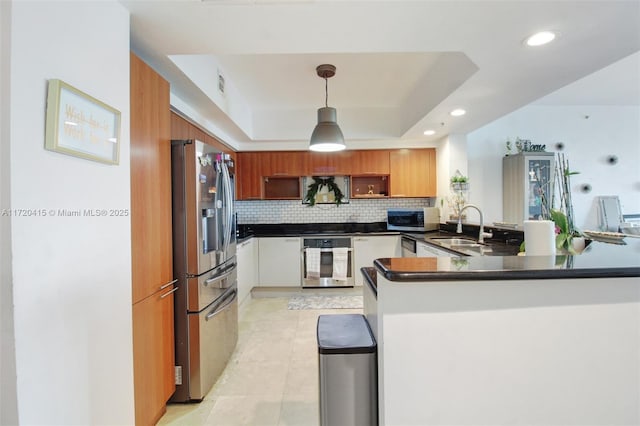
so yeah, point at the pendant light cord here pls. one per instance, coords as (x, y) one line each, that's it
(326, 92)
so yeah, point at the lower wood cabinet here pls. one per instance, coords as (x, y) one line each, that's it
(279, 262)
(154, 360)
(367, 249)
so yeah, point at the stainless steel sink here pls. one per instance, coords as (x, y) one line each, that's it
(457, 242)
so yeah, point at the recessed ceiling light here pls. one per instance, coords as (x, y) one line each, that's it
(538, 39)
(458, 112)
(429, 132)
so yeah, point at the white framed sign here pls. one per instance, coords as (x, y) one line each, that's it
(80, 125)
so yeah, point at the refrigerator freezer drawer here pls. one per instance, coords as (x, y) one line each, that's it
(210, 286)
(213, 334)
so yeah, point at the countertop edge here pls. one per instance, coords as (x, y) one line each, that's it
(504, 275)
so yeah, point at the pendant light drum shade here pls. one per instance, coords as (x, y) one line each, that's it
(326, 136)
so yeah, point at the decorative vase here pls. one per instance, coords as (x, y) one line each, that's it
(578, 244)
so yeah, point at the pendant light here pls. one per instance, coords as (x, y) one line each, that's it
(326, 136)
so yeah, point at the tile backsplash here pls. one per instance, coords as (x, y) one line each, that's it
(293, 211)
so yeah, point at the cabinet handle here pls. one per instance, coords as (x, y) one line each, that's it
(360, 239)
(292, 240)
(169, 292)
(162, 287)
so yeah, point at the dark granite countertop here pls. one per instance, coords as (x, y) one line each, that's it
(300, 229)
(370, 278)
(503, 243)
(491, 247)
(599, 259)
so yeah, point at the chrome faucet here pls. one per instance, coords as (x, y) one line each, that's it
(482, 234)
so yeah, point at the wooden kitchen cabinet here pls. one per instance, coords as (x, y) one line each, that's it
(369, 162)
(329, 163)
(151, 236)
(151, 242)
(369, 186)
(249, 176)
(279, 260)
(412, 173)
(281, 188)
(399, 173)
(153, 361)
(283, 163)
(270, 175)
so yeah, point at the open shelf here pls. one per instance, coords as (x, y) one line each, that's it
(370, 186)
(281, 188)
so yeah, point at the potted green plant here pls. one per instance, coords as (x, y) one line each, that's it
(459, 182)
(568, 238)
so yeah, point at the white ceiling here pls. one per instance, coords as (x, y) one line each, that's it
(402, 66)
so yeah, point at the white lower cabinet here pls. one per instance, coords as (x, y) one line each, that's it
(247, 254)
(427, 250)
(279, 262)
(367, 249)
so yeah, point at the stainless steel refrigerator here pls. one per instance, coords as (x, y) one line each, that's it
(204, 238)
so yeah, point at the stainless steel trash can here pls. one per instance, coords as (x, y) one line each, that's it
(347, 355)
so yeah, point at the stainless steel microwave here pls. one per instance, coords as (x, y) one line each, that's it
(405, 219)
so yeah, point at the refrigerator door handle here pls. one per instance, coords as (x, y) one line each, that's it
(220, 277)
(224, 303)
(228, 205)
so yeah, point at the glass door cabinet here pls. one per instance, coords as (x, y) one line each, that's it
(527, 185)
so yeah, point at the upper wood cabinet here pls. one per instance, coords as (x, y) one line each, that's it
(412, 173)
(150, 156)
(329, 163)
(369, 162)
(284, 163)
(249, 175)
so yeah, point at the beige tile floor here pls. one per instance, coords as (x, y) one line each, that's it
(272, 377)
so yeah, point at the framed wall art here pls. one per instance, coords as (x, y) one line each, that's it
(80, 125)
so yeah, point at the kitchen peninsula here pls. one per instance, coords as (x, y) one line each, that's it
(509, 340)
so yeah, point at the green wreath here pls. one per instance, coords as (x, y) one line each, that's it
(318, 183)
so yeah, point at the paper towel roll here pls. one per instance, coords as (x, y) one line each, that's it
(539, 238)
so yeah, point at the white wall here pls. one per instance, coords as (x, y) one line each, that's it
(8, 403)
(71, 275)
(451, 156)
(608, 130)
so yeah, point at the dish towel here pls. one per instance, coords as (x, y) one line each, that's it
(313, 262)
(340, 262)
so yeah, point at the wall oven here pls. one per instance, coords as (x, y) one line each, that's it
(327, 262)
